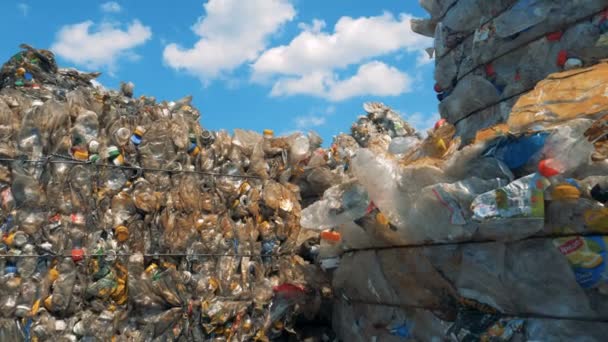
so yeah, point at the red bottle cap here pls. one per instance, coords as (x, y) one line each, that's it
(440, 123)
(77, 254)
(331, 236)
(437, 88)
(562, 57)
(555, 36)
(490, 70)
(546, 168)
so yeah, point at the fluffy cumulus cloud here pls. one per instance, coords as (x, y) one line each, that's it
(96, 46)
(373, 78)
(309, 64)
(232, 33)
(111, 7)
(353, 41)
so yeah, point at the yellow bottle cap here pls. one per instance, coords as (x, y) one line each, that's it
(440, 144)
(122, 233)
(53, 274)
(81, 155)
(565, 192)
(268, 132)
(195, 151)
(381, 219)
(151, 268)
(9, 239)
(214, 284)
(20, 71)
(48, 303)
(35, 307)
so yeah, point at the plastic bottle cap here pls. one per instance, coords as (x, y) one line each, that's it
(35, 307)
(331, 236)
(136, 139)
(440, 123)
(193, 150)
(122, 233)
(77, 254)
(60, 325)
(244, 188)
(565, 192)
(437, 88)
(53, 274)
(490, 72)
(573, 63)
(78, 219)
(20, 71)
(123, 133)
(151, 268)
(81, 155)
(119, 160)
(139, 130)
(381, 219)
(562, 57)
(113, 152)
(93, 146)
(555, 36)
(269, 132)
(546, 168)
(48, 303)
(10, 269)
(440, 144)
(8, 239)
(20, 238)
(94, 157)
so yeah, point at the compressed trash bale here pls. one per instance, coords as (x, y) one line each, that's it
(123, 219)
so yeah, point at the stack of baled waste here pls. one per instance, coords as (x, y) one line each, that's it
(123, 219)
(500, 49)
(499, 240)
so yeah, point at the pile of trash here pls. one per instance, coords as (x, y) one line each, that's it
(503, 239)
(122, 219)
(500, 49)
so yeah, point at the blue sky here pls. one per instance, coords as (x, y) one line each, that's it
(282, 64)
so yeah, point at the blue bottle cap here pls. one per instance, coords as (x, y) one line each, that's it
(10, 269)
(135, 139)
(28, 76)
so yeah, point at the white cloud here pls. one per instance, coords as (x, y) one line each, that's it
(111, 7)
(316, 117)
(421, 122)
(423, 59)
(352, 42)
(373, 78)
(24, 8)
(100, 46)
(303, 122)
(310, 63)
(232, 33)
